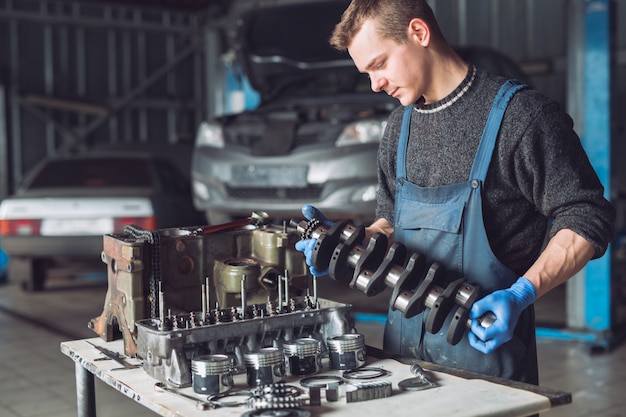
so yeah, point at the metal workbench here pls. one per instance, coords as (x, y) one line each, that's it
(459, 393)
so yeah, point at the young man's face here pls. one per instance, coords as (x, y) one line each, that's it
(397, 69)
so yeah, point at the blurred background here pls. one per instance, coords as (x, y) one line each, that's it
(174, 82)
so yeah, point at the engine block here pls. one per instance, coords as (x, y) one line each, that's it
(166, 353)
(174, 294)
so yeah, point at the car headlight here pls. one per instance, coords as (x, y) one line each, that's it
(210, 134)
(200, 190)
(361, 132)
(364, 194)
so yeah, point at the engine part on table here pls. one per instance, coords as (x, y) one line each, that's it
(315, 383)
(315, 396)
(303, 356)
(265, 366)
(321, 381)
(332, 391)
(211, 374)
(109, 354)
(277, 396)
(370, 390)
(230, 399)
(415, 384)
(167, 350)
(365, 373)
(200, 405)
(294, 412)
(194, 266)
(276, 402)
(420, 382)
(347, 351)
(279, 389)
(375, 267)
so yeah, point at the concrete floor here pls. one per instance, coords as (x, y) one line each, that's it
(36, 379)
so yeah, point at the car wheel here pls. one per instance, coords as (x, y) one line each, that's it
(30, 271)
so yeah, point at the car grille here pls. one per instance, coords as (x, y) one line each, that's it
(274, 193)
(309, 134)
(311, 139)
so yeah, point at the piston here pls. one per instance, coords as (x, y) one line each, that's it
(347, 351)
(303, 356)
(267, 366)
(211, 374)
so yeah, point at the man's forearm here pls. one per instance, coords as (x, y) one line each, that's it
(565, 254)
(380, 226)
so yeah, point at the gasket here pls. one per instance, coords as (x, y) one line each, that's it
(218, 400)
(368, 373)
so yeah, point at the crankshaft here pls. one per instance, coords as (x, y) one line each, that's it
(372, 268)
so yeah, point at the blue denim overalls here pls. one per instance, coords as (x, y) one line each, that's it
(445, 224)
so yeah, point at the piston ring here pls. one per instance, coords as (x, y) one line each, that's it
(370, 373)
(311, 382)
(218, 399)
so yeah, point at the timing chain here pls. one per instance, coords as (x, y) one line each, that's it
(154, 239)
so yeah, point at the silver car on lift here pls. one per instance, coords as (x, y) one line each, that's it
(314, 136)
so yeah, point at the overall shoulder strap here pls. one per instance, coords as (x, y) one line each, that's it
(492, 127)
(403, 140)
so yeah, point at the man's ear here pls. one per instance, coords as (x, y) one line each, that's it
(418, 31)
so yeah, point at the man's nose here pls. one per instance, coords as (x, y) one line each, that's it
(377, 83)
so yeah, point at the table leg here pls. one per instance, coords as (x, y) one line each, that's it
(85, 392)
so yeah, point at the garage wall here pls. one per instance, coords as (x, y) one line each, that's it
(78, 74)
(532, 32)
(535, 33)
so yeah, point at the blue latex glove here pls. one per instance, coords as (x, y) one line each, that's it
(306, 245)
(506, 305)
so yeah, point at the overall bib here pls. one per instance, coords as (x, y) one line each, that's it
(445, 224)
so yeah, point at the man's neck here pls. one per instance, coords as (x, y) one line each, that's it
(448, 73)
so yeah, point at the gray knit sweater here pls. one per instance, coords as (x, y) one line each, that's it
(539, 173)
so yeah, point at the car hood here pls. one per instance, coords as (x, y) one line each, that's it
(280, 42)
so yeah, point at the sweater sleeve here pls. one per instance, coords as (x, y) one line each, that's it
(387, 168)
(554, 173)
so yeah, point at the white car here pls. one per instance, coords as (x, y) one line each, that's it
(67, 204)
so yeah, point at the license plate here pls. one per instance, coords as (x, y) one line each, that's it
(76, 227)
(269, 175)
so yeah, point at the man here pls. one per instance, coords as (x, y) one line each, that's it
(481, 211)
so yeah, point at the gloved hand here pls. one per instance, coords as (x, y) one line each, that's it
(506, 305)
(306, 245)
